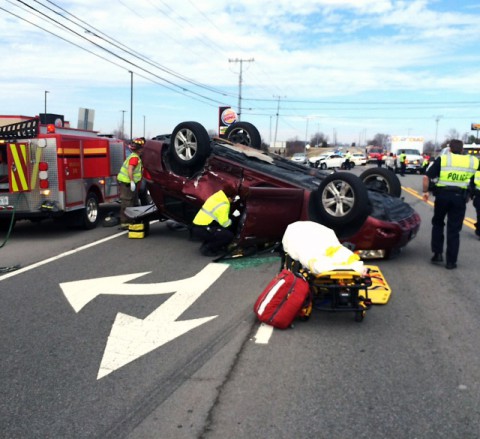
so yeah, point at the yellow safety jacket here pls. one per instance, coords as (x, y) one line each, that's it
(402, 158)
(456, 170)
(216, 208)
(476, 180)
(137, 171)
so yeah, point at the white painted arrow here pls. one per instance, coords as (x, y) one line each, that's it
(130, 337)
(79, 293)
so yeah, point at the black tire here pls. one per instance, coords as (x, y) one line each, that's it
(90, 216)
(190, 145)
(341, 200)
(5, 223)
(244, 133)
(323, 166)
(382, 180)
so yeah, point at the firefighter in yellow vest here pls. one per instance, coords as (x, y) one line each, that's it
(454, 172)
(211, 224)
(402, 158)
(476, 201)
(129, 178)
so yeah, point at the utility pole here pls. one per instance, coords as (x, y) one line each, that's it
(241, 61)
(276, 125)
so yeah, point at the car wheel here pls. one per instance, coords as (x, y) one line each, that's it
(244, 133)
(190, 144)
(382, 180)
(323, 166)
(340, 200)
(90, 215)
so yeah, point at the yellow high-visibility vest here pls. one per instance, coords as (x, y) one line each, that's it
(137, 171)
(456, 170)
(477, 180)
(216, 208)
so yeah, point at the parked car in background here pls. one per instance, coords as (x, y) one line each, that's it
(300, 157)
(331, 161)
(164, 137)
(359, 159)
(366, 212)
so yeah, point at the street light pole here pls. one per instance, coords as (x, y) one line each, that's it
(123, 123)
(131, 105)
(437, 118)
(46, 91)
(143, 125)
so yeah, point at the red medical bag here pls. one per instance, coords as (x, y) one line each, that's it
(282, 299)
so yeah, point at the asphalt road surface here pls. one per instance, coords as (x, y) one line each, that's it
(109, 337)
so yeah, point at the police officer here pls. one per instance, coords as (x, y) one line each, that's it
(347, 164)
(454, 172)
(476, 200)
(211, 224)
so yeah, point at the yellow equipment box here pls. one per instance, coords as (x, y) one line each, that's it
(136, 227)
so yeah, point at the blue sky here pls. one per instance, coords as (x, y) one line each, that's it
(348, 68)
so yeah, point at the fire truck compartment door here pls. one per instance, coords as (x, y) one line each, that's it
(18, 165)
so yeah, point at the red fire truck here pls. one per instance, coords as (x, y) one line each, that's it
(52, 170)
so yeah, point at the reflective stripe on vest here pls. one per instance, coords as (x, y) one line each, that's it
(137, 171)
(216, 208)
(456, 170)
(477, 180)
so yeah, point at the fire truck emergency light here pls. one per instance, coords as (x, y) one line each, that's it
(50, 129)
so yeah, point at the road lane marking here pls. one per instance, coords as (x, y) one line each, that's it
(62, 255)
(263, 334)
(469, 222)
(131, 337)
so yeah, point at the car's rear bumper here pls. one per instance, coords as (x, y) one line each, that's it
(376, 234)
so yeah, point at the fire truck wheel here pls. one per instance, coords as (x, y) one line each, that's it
(90, 215)
(5, 224)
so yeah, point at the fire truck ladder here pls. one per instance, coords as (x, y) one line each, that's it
(20, 130)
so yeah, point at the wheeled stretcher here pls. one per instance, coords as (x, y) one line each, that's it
(338, 279)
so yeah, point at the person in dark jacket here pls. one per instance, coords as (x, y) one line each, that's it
(453, 172)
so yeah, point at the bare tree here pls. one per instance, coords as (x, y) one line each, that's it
(452, 134)
(319, 139)
(379, 140)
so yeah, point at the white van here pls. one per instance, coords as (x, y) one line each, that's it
(414, 159)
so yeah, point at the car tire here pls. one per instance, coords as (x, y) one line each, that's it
(244, 133)
(383, 180)
(190, 145)
(341, 200)
(323, 166)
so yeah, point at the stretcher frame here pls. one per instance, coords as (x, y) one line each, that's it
(341, 290)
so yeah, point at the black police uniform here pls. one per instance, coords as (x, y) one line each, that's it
(450, 202)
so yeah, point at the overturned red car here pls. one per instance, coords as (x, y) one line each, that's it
(366, 213)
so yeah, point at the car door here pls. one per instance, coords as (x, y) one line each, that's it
(267, 213)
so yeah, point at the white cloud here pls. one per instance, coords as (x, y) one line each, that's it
(322, 50)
